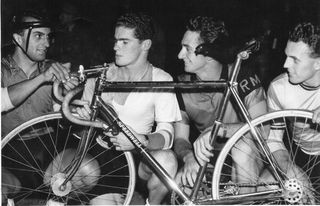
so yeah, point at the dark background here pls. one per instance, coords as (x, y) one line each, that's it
(244, 19)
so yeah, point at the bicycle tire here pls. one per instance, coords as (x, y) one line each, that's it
(55, 136)
(223, 185)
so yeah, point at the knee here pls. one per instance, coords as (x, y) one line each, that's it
(242, 153)
(168, 160)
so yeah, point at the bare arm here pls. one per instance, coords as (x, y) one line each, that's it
(20, 91)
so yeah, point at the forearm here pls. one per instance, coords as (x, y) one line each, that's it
(20, 91)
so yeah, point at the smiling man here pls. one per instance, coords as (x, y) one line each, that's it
(26, 80)
(28, 61)
(205, 53)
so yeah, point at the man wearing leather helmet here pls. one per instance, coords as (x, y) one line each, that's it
(31, 38)
(26, 82)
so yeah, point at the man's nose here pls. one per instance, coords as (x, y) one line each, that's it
(287, 63)
(181, 54)
(116, 46)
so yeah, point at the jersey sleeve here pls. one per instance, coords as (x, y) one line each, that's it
(248, 81)
(166, 105)
(273, 99)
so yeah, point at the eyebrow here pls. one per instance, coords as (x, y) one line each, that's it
(39, 32)
(122, 39)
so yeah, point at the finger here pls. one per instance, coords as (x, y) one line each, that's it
(79, 111)
(200, 156)
(113, 140)
(60, 71)
(65, 68)
(189, 178)
(194, 176)
(205, 148)
(183, 178)
(67, 86)
(87, 110)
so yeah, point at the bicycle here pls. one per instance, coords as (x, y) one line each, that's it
(223, 190)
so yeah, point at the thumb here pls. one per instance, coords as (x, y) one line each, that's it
(67, 65)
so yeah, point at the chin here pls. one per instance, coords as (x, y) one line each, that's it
(294, 81)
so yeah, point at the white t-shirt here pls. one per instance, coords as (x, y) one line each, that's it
(142, 109)
(284, 95)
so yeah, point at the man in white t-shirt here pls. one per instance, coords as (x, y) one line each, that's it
(299, 88)
(140, 109)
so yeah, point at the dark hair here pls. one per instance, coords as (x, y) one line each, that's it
(141, 23)
(208, 29)
(308, 34)
(19, 22)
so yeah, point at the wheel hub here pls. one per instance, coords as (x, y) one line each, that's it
(56, 185)
(293, 191)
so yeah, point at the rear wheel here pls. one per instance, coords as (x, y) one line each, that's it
(35, 154)
(234, 176)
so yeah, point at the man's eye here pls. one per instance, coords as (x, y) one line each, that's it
(38, 36)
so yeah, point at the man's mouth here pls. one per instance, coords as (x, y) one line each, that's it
(42, 51)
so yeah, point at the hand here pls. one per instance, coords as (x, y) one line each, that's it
(189, 170)
(57, 71)
(122, 143)
(84, 112)
(202, 148)
(316, 116)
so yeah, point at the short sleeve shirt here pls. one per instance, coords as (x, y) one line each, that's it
(38, 103)
(284, 95)
(142, 108)
(202, 107)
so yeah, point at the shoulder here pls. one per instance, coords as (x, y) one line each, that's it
(160, 75)
(248, 81)
(280, 80)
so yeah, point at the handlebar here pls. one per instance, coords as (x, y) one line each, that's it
(250, 47)
(72, 118)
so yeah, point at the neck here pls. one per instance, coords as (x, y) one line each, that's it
(135, 72)
(313, 82)
(25, 63)
(210, 72)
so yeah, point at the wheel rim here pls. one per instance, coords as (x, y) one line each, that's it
(34, 156)
(224, 185)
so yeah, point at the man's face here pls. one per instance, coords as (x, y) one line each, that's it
(192, 62)
(39, 42)
(300, 66)
(127, 47)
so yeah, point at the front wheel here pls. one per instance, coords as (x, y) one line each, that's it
(243, 171)
(36, 154)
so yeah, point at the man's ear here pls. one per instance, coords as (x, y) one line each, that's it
(146, 44)
(17, 38)
(317, 64)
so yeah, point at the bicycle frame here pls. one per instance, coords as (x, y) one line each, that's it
(113, 123)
